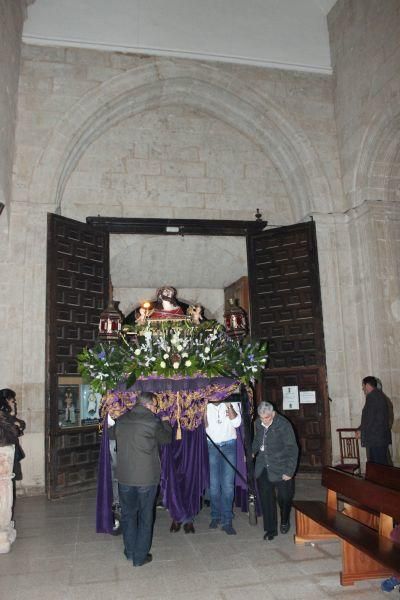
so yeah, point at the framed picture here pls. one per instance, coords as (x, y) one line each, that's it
(68, 402)
(90, 404)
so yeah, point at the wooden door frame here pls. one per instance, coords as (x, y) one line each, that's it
(206, 227)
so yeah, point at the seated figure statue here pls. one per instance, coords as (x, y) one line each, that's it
(166, 306)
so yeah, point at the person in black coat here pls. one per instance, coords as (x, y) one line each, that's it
(138, 434)
(276, 451)
(375, 422)
(8, 409)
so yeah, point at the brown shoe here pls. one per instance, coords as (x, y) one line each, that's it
(175, 527)
(188, 528)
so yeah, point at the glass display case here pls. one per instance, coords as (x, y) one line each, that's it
(78, 404)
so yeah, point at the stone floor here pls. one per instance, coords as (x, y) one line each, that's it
(58, 556)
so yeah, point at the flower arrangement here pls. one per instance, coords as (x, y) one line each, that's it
(170, 349)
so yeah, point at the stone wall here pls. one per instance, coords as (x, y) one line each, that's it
(123, 135)
(11, 22)
(365, 50)
(19, 282)
(365, 47)
(112, 134)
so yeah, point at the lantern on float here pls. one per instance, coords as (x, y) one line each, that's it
(235, 320)
(110, 322)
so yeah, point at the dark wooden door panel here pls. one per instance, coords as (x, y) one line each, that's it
(311, 421)
(286, 311)
(285, 295)
(77, 288)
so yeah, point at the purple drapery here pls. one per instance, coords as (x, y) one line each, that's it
(181, 493)
(104, 500)
(185, 474)
(184, 477)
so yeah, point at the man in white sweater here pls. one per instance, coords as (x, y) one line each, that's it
(223, 418)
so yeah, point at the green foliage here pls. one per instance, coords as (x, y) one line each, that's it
(169, 349)
(104, 366)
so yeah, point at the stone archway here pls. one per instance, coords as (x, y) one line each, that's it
(197, 86)
(378, 158)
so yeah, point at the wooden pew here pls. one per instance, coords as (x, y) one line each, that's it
(383, 475)
(366, 553)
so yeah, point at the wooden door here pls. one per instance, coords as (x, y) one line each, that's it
(77, 288)
(286, 311)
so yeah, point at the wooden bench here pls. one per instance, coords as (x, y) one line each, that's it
(383, 475)
(367, 553)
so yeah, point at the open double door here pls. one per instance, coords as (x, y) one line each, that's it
(285, 308)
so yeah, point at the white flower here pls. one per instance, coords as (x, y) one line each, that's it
(179, 348)
(188, 363)
(184, 354)
(162, 364)
(165, 355)
(137, 351)
(176, 365)
(207, 350)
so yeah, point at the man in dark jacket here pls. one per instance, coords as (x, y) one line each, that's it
(276, 452)
(139, 433)
(375, 422)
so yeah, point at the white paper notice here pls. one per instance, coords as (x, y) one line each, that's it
(290, 397)
(307, 398)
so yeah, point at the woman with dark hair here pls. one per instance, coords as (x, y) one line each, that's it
(9, 422)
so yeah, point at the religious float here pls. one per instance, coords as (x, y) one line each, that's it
(187, 361)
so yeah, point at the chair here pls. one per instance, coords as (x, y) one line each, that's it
(349, 451)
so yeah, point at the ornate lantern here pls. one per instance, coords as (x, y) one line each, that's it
(110, 322)
(235, 320)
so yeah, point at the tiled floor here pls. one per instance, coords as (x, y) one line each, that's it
(58, 556)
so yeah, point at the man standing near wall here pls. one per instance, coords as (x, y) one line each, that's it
(138, 433)
(375, 422)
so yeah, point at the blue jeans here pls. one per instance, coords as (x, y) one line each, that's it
(222, 481)
(137, 516)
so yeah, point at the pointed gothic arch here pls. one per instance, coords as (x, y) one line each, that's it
(378, 156)
(200, 87)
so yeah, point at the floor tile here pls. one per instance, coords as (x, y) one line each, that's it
(58, 556)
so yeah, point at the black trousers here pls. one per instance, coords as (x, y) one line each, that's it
(270, 492)
(378, 454)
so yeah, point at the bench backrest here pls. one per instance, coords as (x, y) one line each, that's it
(367, 493)
(383, 475)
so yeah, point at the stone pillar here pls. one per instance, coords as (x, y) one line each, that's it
(335, 269)
(358, 254)
(7, 531)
